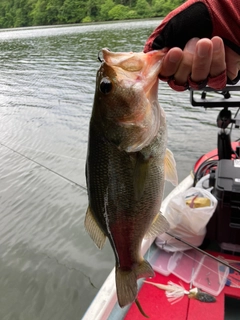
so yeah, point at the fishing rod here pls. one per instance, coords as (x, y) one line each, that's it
(202, 251)
(43, 166)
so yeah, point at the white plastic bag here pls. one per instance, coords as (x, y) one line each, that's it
(185, 222)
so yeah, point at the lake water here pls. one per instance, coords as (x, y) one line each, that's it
(49, 267)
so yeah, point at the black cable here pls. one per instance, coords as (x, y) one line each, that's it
(234, 117)
(231, 130)
(207, 165)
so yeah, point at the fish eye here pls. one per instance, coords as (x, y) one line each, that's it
(105, 86)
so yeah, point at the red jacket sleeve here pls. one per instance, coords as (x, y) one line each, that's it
(198, 18)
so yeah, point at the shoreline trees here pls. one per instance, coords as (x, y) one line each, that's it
(25, 13)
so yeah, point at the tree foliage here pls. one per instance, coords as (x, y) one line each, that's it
(118, 12)
(23, 13)
(105, 8)
(143, 8)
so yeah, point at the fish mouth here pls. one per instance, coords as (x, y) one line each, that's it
(137, 70)
(136, 77)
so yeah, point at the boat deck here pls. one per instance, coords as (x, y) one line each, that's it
(156, 305)
(154, 301)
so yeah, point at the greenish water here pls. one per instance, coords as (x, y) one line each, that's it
(50, 269)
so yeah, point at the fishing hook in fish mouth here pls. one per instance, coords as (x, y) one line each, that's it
(100, 58)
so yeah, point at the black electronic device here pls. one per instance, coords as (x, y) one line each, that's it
(224, 178)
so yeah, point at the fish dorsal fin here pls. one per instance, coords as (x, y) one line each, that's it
(94, 230)
(170, 168)
(158, 227)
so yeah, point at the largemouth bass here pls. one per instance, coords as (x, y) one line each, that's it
(127, 163)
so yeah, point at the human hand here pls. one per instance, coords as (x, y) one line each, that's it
(202, 44)
(201, 62)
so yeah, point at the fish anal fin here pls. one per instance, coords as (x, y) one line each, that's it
(94, 230)
(144, 270)
(159, 226)
(170, 168)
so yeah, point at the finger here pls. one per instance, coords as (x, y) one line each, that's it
(171, 62)
(233, 63)
(185, 67)
(202, 60)
(218, 58)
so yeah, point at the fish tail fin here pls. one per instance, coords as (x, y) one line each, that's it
(126, 281)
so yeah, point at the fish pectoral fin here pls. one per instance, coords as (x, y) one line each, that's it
(158, 227)
(94, 230)
(140, 175)
(170, 168)
(126, 281)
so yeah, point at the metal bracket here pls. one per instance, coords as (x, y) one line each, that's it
(221, 98)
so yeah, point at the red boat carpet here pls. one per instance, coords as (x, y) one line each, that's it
(155, 304)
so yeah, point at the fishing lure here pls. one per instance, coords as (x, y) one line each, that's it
(175, 292)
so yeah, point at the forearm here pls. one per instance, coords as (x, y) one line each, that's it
(201, 19)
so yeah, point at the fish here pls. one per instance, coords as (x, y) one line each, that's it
(127, 163)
